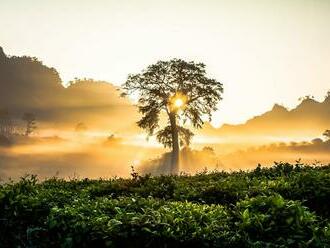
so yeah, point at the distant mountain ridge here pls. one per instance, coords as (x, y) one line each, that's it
(27, 85)
(310, 117)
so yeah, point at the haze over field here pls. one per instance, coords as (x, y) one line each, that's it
(63, 65)
(86, 129)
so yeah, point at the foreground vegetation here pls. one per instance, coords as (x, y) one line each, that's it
(282, 206)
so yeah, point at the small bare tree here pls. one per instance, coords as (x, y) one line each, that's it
(31, 124)
(6, 124)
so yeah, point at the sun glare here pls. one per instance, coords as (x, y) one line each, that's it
(178, 103)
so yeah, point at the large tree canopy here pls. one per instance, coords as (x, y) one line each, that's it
(180, 89)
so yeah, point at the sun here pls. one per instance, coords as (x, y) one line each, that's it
(178, 103)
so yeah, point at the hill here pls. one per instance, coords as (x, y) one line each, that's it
(308, 119)
(27, 85)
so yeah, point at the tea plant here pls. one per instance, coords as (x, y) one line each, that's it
(281, 206)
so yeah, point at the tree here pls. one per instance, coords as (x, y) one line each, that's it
(317, 141)
(6, 124)
(208, 150)
(179, 89)
(327, 96)
(80, 127)
(326, 134)
(305, 98)
(31, 125)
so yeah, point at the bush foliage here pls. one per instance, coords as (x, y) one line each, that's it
(281, 206)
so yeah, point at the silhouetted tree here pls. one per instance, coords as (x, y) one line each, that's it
(327, 96)
(6, 123)
(326, 134)
(80, 127)
(317, 141)
(181, 90)
(31, 124)
(304, 98)
(208, 149)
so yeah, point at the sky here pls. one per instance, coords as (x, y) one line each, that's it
(263, 51)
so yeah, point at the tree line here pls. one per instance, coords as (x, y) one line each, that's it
(10, 126)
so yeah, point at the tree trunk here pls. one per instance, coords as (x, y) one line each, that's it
(175, 144)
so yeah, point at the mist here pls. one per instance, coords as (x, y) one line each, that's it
(86, 129)
(82, 156)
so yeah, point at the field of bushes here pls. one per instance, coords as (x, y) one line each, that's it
(281, 206)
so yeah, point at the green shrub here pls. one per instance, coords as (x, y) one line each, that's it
(131, 222)
(266, 221)
(281, 206)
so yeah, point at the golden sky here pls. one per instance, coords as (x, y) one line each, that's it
(263, 51)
